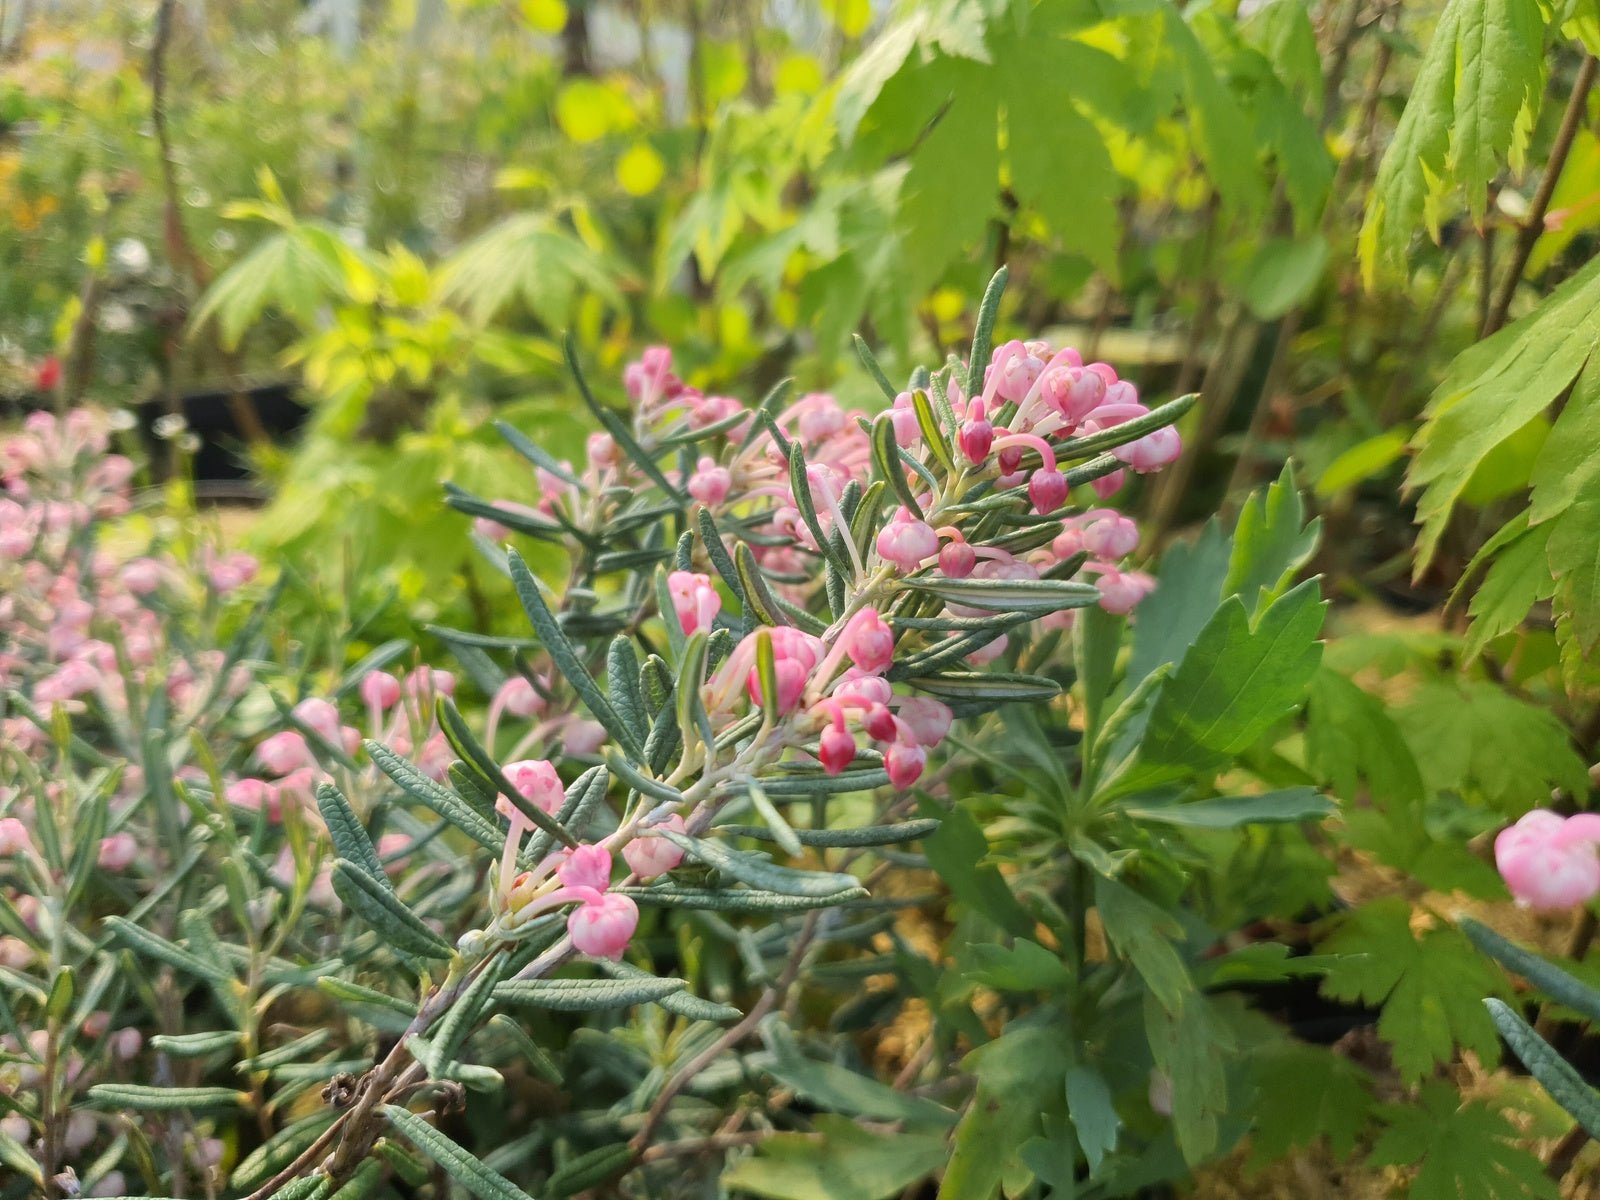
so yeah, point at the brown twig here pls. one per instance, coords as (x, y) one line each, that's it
(1533, 225)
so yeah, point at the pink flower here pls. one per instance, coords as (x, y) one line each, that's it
(836, 748)
(233, 572)
(14, 838)
(957, 560)
(538, 783)
(143, 576)
(1151, 452)
(1121, 591)
(125, 1043)
(1107, 534)
(392, 849)
(1016, 369)
(1108, 486)
(1048, 491)
(603, 926)
(710, 484)
(380, 690)
(285, 752)
(602, 448)
(252, 795)
(904, 764)
(519, 698)
(904, 419)
(1549, 861)
(880, 724)
(976, 436)
(927, 720)
(869, 641)
(583, 737)
(586, 866)
(1072, 392)
(694, 600)
(795, 655)
(118, 851)
(321, 716)
(648, 855)
(906, 541)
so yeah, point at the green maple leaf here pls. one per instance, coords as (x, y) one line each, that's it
(1462, 1151)
(1305, 1093)
(1431, 987)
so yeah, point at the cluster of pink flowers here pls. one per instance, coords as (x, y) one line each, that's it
(1550, 861)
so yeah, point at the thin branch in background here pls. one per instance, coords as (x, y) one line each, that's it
(1533, 225)
(180, 248)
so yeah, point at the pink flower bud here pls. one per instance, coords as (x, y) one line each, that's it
(989, 651)
(694, 600)
(284, 752)
(118, 851)
(836, 749)
(1010, 460)
(1018, 369)
(603, 927)
(904, 419)
(957, 560)
(1549, 862)
(520, 698)
(1109, 535)
(143, 576)
(928, 720)
(233, 572)
(904, 764)
(583, 737)
(976, 436)
(820, 418)
(380, 690)
(1047, 490)
(586, 866)
(869, 641)
(1151, 452)
(858, 690)
(14, 838)
(536, 780)
(602, 449)
(710, 484)
(1121, 591)
(648, 856)
(317, 714)
(880, 724)
(1108, 486)
(125, 1043)
(906, 541)
(252, 795)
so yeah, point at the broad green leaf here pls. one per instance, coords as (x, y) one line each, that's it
(1093, 1114)
(850, 1163)
(529, 259)
(585, 995)
(958, 853)
(464, 1168)
(1192, 1048)
(1271, 541)
(1230, 812)
(841, 1090)
(1016, 1073)
(1519, 576)
(1145, 934)
(1282, 275)
(1364, 461)
(1574, 552)
(1568, 467)
(1350, 736)
(1234, 684)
